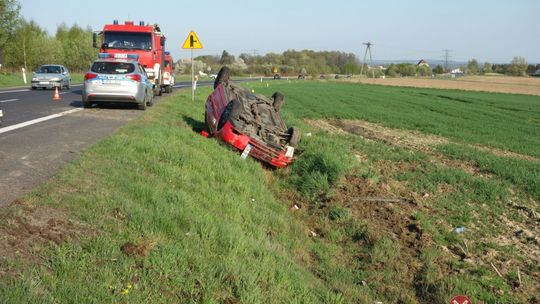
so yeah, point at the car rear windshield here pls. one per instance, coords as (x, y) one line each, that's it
(128, 41)
(50, 69)
(104, 67)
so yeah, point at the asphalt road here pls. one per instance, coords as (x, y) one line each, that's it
(38, 135)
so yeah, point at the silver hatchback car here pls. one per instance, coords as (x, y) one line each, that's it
(117, 78)
(50, 76)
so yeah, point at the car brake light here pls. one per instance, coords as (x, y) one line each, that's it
(134, 77)
(88, 76)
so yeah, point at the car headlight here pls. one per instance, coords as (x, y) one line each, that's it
(35, 79)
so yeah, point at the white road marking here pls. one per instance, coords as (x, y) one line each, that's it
(14, 91)
(38, 120)
(8, 100)
(26, 90)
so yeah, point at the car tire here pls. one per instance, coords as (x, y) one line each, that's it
(278, 100)
(169, 89)
(294, 138)
(87, 104)
(142, 106)
(222, 77)
(225, 115)
(68, 86)
(151, 101)
(207, 123)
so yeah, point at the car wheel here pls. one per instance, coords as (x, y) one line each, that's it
(33, 88)
(142, 106)
(87, 104)
(169, 89)
(68, 86)
(225, 116)
(295, 136)
(151, 101)
(207, 123)
(222, 77)
(278, 100)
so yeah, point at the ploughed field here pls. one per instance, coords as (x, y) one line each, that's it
(398, 195)
(498, 84)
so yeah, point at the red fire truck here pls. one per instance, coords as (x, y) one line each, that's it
(145, 40)
(168, 73)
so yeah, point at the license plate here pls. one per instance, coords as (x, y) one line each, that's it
(115, 82)
(245, 153)
(43, 82)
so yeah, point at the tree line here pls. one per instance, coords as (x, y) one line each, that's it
(316, 63)
(289, 62)
(25, 44)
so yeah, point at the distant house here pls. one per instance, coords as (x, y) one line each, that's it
(456, 71)
(422, 62)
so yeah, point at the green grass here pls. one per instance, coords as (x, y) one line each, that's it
(77, 77)
(522, 173)
(15, 80)
(222, 228)
(12, 80)
(221, 235)
(506, 121)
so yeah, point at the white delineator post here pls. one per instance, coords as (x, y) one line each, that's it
(24, 75)
(192, 79)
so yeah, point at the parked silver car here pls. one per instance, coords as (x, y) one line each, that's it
(117, 78)
(51, 76)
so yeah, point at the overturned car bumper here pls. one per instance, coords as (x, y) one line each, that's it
(260, 151)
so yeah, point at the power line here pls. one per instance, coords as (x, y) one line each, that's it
(368, 50)
(446, 57)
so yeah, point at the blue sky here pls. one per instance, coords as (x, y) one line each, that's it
(494, 31)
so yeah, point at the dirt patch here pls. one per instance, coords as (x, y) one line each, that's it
(384, 211)
(141, 248)
(26, 228)
(505, 153)
(408, 139)
(403, 138)
(497, 84)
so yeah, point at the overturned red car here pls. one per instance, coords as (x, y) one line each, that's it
(250, 122)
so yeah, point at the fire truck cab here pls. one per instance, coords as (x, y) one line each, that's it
(144, 40)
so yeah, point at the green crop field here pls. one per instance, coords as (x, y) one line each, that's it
(156, 213)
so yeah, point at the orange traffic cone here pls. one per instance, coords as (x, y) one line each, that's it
(56, 95)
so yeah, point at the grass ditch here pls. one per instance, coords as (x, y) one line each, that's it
(15, 80)
(180, 217)
(183, 219)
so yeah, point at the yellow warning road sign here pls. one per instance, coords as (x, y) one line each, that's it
(192, 42)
